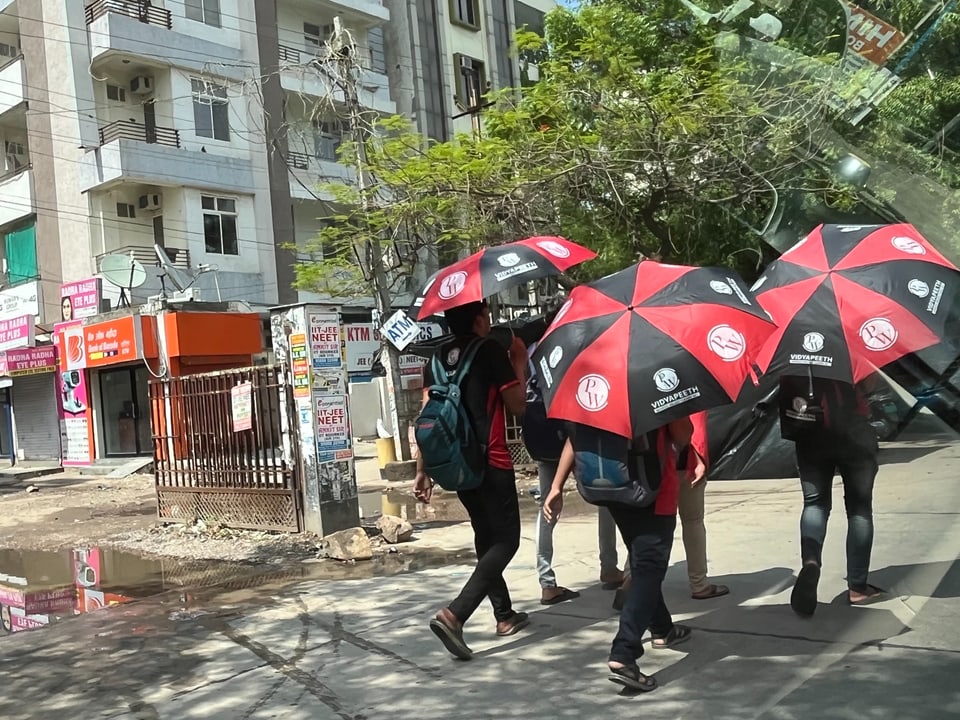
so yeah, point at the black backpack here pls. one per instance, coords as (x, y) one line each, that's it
(543, 437)
(610, 470)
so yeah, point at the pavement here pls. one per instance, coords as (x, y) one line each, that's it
(352, 642)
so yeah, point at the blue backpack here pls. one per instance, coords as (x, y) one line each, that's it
(611, 472)
(453, 455)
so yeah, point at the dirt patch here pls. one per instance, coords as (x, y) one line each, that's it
(75, 511)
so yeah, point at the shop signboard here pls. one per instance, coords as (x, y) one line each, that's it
(112, 342)
(28, 361)
(17, 331)
(22, 299)
(80, 299)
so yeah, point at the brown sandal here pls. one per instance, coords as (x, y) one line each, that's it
(714, 591)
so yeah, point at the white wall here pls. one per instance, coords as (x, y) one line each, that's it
(16, 197)
(11, 84)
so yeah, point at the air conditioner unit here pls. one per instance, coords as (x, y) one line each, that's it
(141, 85)
(153, 201)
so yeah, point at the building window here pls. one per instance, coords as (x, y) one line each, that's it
(116, 93)
(315, 37)
(220, 225)
(327, 136)
(466, 13)
(378, 58)
(205, 11)
(211, 110)
(15, 156)
(125, 210)
(471, 80)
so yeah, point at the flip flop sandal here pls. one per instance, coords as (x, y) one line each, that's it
(714, 591)
(517, 623)
(452, 640)
(678, 634)
(877, 595)
(629, 676)
(803, 599)
(564, 595)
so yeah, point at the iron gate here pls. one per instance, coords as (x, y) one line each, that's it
(209, 468)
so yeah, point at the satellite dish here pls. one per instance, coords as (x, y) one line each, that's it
(179, 279)
(125, 272)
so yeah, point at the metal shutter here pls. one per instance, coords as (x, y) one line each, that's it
(35, 414)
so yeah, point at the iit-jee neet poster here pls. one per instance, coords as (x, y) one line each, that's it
(326, 342)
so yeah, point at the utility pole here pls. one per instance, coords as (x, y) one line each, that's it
(345, 57)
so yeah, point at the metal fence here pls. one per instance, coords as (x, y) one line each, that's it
(208, 468)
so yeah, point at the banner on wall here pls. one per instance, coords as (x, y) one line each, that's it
(80, 299)
(73, 400)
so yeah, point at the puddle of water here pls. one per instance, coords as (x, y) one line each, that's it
(40, 588)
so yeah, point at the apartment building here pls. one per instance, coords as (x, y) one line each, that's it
(448, 53)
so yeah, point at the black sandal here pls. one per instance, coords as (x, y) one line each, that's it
(677, 635)
(803, 599)
(629, 676)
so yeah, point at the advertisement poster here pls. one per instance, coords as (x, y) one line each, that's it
(73, 408)
(17, 332)
(300, 365)
(241, 405)
(326, 345)
(80, 299)
(333, 427)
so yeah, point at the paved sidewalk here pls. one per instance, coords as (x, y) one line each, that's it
(361, 649)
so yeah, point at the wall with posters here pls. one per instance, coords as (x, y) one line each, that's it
(311, 339)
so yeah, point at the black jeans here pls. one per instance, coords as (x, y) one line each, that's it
(649, 539)
(854, 453)
(495, 515)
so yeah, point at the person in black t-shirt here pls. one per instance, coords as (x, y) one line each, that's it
(829, 422)
(493, 384)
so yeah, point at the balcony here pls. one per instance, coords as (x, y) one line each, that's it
(303, 72)
(12, 84)
(16, 189)
(146, 256)
(127, 130)
(308, 173)
(132, 152)
(147, 14)
(116, 27)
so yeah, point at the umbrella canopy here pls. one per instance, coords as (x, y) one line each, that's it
(648, 345)
(493, 269)
(850, 299)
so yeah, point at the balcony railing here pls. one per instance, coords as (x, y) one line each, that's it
(179, 257)
(295, 56)
(127, 130)
(298, 161)
(142, 11)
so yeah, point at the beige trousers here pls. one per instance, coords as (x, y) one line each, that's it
(694, 534)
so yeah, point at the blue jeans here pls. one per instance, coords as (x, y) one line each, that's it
(649, 539)
(607, 529)
(852, 452)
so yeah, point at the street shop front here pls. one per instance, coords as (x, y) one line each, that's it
(28, 404)
(107, 362)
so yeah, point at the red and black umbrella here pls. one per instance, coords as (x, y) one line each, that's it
(849, 299)
(497, 268)
(648, 345)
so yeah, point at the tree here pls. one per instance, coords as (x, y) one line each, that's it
(650, 134)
